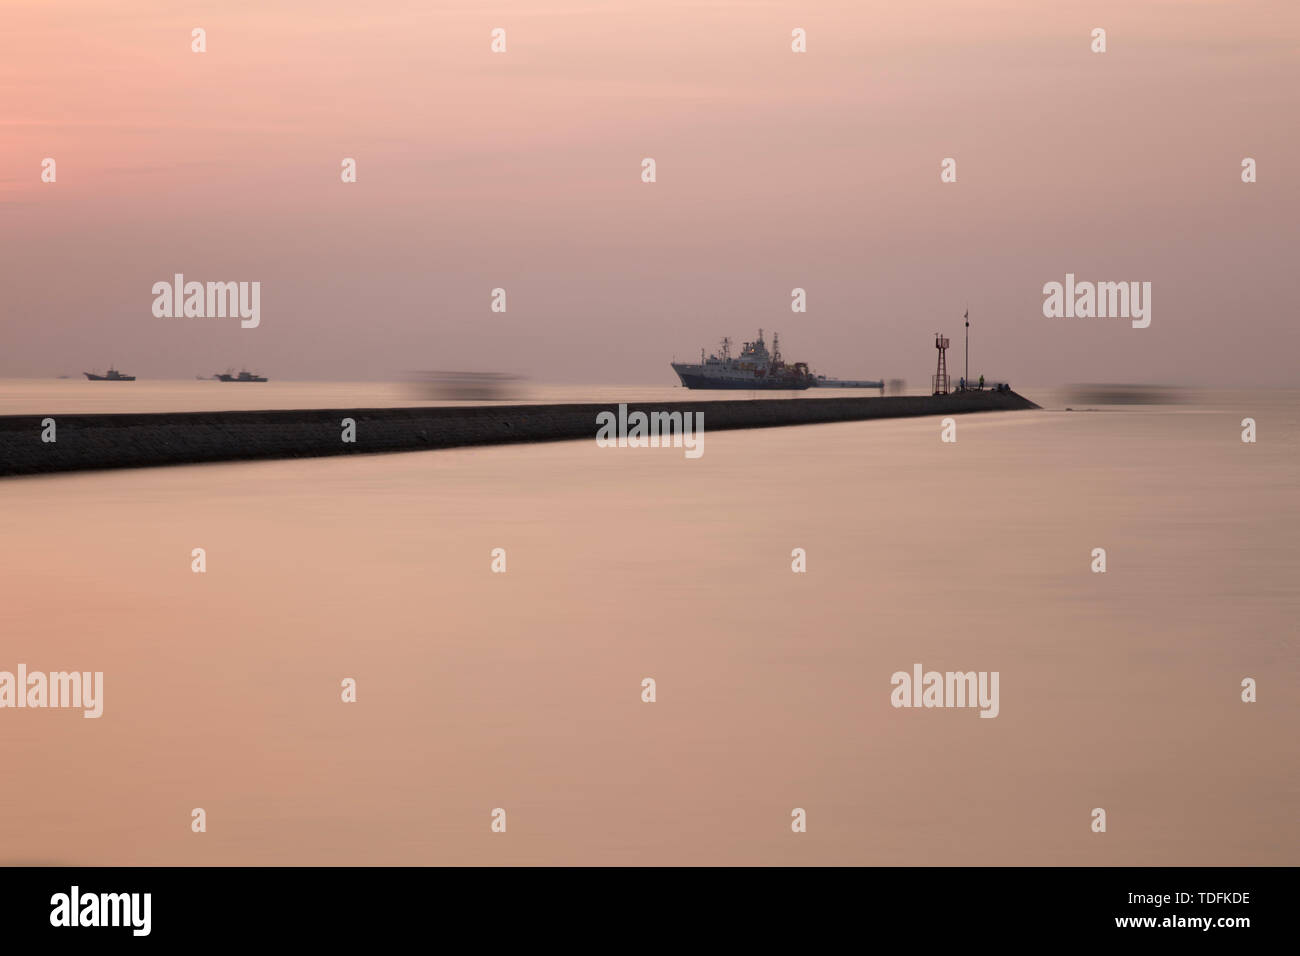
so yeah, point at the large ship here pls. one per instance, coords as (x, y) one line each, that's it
(754, 368)
(112, 375)
(244, 376)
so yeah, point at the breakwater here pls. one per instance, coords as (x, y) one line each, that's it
(88, 442)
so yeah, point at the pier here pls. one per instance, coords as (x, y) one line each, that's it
(92, 442)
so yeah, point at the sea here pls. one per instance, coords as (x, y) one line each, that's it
(499, 612)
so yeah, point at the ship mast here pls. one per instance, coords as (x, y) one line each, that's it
(967, 318)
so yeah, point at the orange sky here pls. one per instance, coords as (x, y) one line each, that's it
(775, 170)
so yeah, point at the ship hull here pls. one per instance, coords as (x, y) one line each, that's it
(105, 378)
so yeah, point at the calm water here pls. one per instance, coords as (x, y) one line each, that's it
(72, 396)
(522, 690)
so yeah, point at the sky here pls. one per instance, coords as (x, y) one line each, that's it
(775, 170)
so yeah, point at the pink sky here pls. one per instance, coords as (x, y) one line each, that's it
(775, 170)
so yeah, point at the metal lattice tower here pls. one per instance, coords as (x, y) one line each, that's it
(941, 382)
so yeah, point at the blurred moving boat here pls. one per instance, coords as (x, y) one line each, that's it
(467, 386)
(821, 381)
(112, 375)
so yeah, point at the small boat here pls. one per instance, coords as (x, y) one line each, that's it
(244, 376)
(112, 375)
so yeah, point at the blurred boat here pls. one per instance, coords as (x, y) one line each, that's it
(821, 381)
(1099, 394)
(466, 386)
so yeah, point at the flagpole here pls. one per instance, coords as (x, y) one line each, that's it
(967, 317)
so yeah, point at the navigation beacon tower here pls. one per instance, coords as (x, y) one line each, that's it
(941, 381)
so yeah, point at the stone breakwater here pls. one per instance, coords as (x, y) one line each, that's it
(88, 442)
